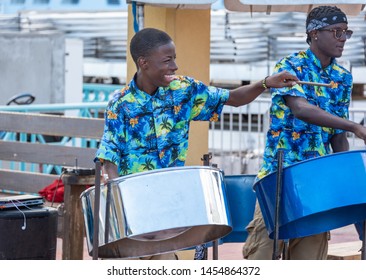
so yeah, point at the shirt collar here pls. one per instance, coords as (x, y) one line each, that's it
(141, 97)
(317, 62)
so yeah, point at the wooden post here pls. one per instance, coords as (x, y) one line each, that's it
(74, 228)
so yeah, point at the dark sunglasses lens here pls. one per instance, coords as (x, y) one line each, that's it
(339, 33)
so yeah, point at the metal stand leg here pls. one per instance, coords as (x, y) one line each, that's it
(215, 250)
(285, 249)
(203, 255)
(96, 211)
(276, 255)
(215, 244)
(363, 249)
(107, 212)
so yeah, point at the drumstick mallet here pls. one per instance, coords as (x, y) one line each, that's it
(330, 85)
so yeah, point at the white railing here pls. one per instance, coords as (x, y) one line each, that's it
(237, 141)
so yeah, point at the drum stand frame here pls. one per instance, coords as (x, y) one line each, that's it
(363, 248)
(275, 254)
(96, 210)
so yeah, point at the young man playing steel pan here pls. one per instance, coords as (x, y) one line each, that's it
(307, 121)
(147, 122)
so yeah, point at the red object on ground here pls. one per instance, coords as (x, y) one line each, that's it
(54, 192)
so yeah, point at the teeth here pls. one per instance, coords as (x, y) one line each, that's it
(170, 77)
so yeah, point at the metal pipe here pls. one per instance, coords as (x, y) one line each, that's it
(275, 255)
(215, 249)
(96, 210)
(140, 15)
(363, 249)
(107, 211)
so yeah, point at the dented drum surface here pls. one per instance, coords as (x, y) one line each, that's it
(158, 211)
(318, 195)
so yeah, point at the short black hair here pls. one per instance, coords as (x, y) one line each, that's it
(147, 40)
(319, 12)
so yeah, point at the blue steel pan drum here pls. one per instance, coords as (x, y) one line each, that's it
(318, 195)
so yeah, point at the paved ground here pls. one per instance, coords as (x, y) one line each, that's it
(232, 251)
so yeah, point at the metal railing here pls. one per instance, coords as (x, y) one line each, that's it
(98, 92)
(84, 110)
(236, 142)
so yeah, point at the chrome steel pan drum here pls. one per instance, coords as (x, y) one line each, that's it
(318, 195)
(158, 211)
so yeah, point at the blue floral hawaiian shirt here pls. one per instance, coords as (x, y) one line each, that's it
(144, 132)
(298, 139)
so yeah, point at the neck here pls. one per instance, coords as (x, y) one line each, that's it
(144, 86)
(324, 59)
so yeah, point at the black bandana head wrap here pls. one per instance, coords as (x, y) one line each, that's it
(325, 20)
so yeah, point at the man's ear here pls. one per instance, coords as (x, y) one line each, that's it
(142, 62)
(314, 34)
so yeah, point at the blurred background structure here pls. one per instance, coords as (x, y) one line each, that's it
(68, 51)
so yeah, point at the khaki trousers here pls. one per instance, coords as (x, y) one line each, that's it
(259, 246)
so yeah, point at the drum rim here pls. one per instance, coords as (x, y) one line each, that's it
(255, 185)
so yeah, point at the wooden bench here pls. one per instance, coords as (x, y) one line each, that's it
(38, 153)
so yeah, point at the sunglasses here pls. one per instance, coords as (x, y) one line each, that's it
(338, 33)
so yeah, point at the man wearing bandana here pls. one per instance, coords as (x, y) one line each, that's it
(307, 121)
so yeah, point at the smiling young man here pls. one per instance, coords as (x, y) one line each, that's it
(147, 122)
(307, 121)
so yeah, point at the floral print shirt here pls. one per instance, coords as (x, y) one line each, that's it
(145, 132)
(298, 139)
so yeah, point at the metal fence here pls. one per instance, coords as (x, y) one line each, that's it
(236, 142)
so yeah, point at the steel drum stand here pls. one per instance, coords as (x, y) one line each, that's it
(363, 248)
(276, 255)
(206, 162)
(215, 243)
(96, 211)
